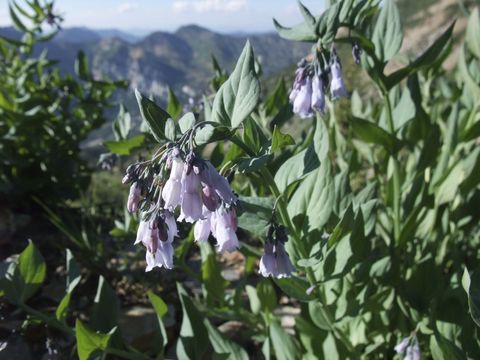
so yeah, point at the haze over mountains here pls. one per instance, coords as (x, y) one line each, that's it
(163, 59)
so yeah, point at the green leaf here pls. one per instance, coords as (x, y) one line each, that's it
(209, 134)
(300, 32)
(387, 35)
(32, 270)
(161, 310)
(306, 161)
(247, 165)
(89, 342)
(320, 315)
(125, 147)
(473, 29)
(430, 55)
(73, 272)
(62, 308)
(193, 340)
(174, 108)
(283, 343)
(170, 129)
(153, 115)
(212, 278)
(81, 66)
(267, 296)
(222, 345)
(122, 124)
(106, 307)
(307, 15)
(372, 133)
(444, 349)
(280, 140)
(186, 122)
(295, 287)
(16, 20)
(313, 201)
(471, 284)
(254, 214)
(239, 95)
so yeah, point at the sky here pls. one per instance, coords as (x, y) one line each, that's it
(142, 16)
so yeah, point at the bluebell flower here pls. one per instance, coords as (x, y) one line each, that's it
(134, 197)
(318, 94)
(337, 85)
(302, 105)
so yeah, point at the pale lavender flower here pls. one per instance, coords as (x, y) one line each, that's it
(302, 104)
(223, 228)
(172, 190)
(409, 347)
(210, 177)
(413, 352)
(297, 83)
(148, 235)
(134, 197)
(402, 345)
(162, 257)
(268, 262)
(284, 265)
(191, 207)
(318, 94)
(201, 230)
(172, 230)
(337, 85)
(210, 198)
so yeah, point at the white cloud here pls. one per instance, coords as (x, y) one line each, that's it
(203, 6)
(126, 7)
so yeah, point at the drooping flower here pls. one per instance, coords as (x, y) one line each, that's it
(302, 104)
(201, 230)
(299, 80)
(210, 198)
(337, 85)
(134, 197)
(191, 203)
(284, 266)
(172, 230)
(318, 94)
(268, 262)
(172, 190)
(211, 178)
(223, 226)
(409, 347)
(162, 257)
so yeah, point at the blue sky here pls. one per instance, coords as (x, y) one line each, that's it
(146, 15)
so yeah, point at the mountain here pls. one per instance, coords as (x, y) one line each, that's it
(163, 59)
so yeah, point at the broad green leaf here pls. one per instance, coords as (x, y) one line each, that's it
(81, 66)
(153, 115)
(122, 124)
(212, 280)
(307, 15)
(186, 122)
(300, 32)
(471, 284)
(253, 298)
(193, 340)
(174, 108)
(312, 203)
(125, 147)
(161, 310)
(239, 95)
(473, 31)
(255, 214)
(222, 345)
(306, 161)
(62, 308)
(280, 140)
(434, 52)
(283, 343)
(387, 34)
(247, 165)
(209, 134)
(89, 342)
(444, 349)
(170, 129)
(267, 296)
(372, 133)
(320, 315)
(295, 287)
(106, 307)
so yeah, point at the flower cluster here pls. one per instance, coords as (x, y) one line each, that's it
(311, 82)
(409, 348)
(275, 261)
(189, 183)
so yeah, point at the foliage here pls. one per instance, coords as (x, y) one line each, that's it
(380, 203)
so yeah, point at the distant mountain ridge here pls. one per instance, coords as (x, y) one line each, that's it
(163, 59)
